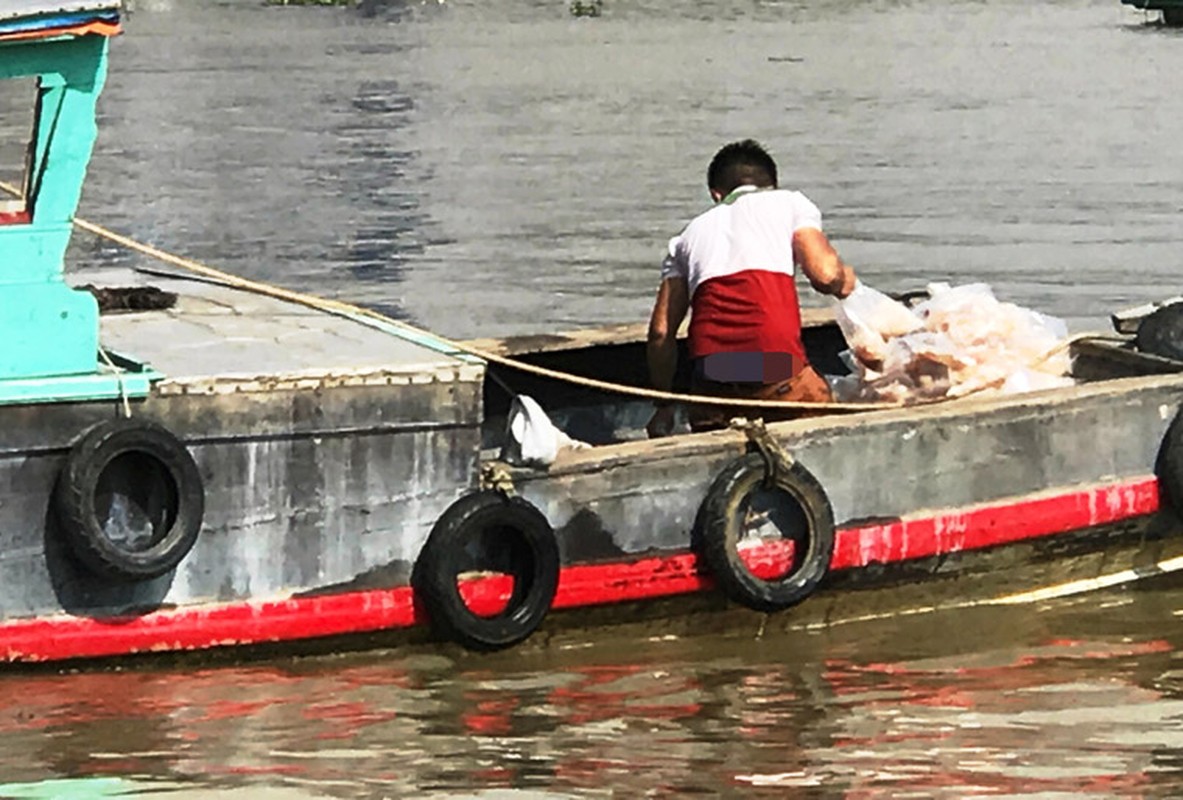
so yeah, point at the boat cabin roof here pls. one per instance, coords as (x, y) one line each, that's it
(18, 9)
(37, 19)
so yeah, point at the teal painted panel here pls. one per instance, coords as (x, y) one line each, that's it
(47, 329)
(131, 380)
(68, 125)
(75, 388)
(69, 789)
(72, 73)
(32, 255)
(78, 61)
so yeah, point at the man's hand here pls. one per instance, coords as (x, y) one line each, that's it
(849, 281)
(673, 301)
(819, 261)
(662, 422)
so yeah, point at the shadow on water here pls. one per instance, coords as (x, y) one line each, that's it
(389, 10)
(375, 178)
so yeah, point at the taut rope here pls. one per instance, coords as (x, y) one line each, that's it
(355, 311)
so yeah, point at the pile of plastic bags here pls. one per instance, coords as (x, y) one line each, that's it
(960, 341)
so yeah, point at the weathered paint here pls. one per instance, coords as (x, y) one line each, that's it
(297, 618)
(323, 479)
(118, 379)
(877, 469)
(993, 524)
(304, 490)
(49, 329)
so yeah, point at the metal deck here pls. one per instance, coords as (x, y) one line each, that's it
(221, 338)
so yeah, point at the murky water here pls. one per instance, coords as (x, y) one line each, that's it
(1076, 698)
(485, 168)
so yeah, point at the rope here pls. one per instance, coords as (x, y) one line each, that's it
(349, 309)
(777, 460)
(496, 477)
(119, 380)
(353, 311)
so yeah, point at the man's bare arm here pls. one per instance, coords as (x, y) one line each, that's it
(673, 301)
(820, 262)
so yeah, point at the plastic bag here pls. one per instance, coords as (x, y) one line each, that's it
(960, 341)
(868, 318)
(531, 438)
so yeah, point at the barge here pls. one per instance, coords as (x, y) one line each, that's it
(225, 468)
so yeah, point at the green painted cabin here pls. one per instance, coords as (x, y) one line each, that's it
(55, 55)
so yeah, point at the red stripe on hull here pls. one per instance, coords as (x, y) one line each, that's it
(988, 525)
(214, 625)
(260, 622)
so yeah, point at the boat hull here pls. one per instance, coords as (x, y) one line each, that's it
(979, 501)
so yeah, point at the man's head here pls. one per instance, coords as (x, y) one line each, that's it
(736, 164)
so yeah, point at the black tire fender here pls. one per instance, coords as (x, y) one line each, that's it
(122, 468)
(719, 524)
(1170, 464)
(527, 546)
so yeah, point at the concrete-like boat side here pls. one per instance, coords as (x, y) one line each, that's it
(876, 468)
(623, 514)
(327, 449)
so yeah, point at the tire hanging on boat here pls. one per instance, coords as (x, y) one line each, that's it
(129, 500)
(719, 527)
(1170, 464)
(488, 532)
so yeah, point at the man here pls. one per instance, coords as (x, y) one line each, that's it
(732, 268)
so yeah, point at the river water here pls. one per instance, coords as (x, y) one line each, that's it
(487, 168)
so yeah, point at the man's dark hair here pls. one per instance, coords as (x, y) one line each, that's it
(739, 164)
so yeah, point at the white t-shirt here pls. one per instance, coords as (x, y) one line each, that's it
(751, 229)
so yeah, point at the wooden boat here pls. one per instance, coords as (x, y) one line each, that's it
(240, 468)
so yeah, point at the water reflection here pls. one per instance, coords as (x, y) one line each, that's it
(375, 179)
(486, 169)
(666, 718)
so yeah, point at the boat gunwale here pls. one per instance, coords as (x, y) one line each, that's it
(577, 461)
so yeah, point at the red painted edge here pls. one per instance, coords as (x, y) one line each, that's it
(98, 26)
(987, 525)
(293, 619)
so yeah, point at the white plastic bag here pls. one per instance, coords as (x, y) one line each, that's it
(868, 319)
(531, 439)
(960, 341)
